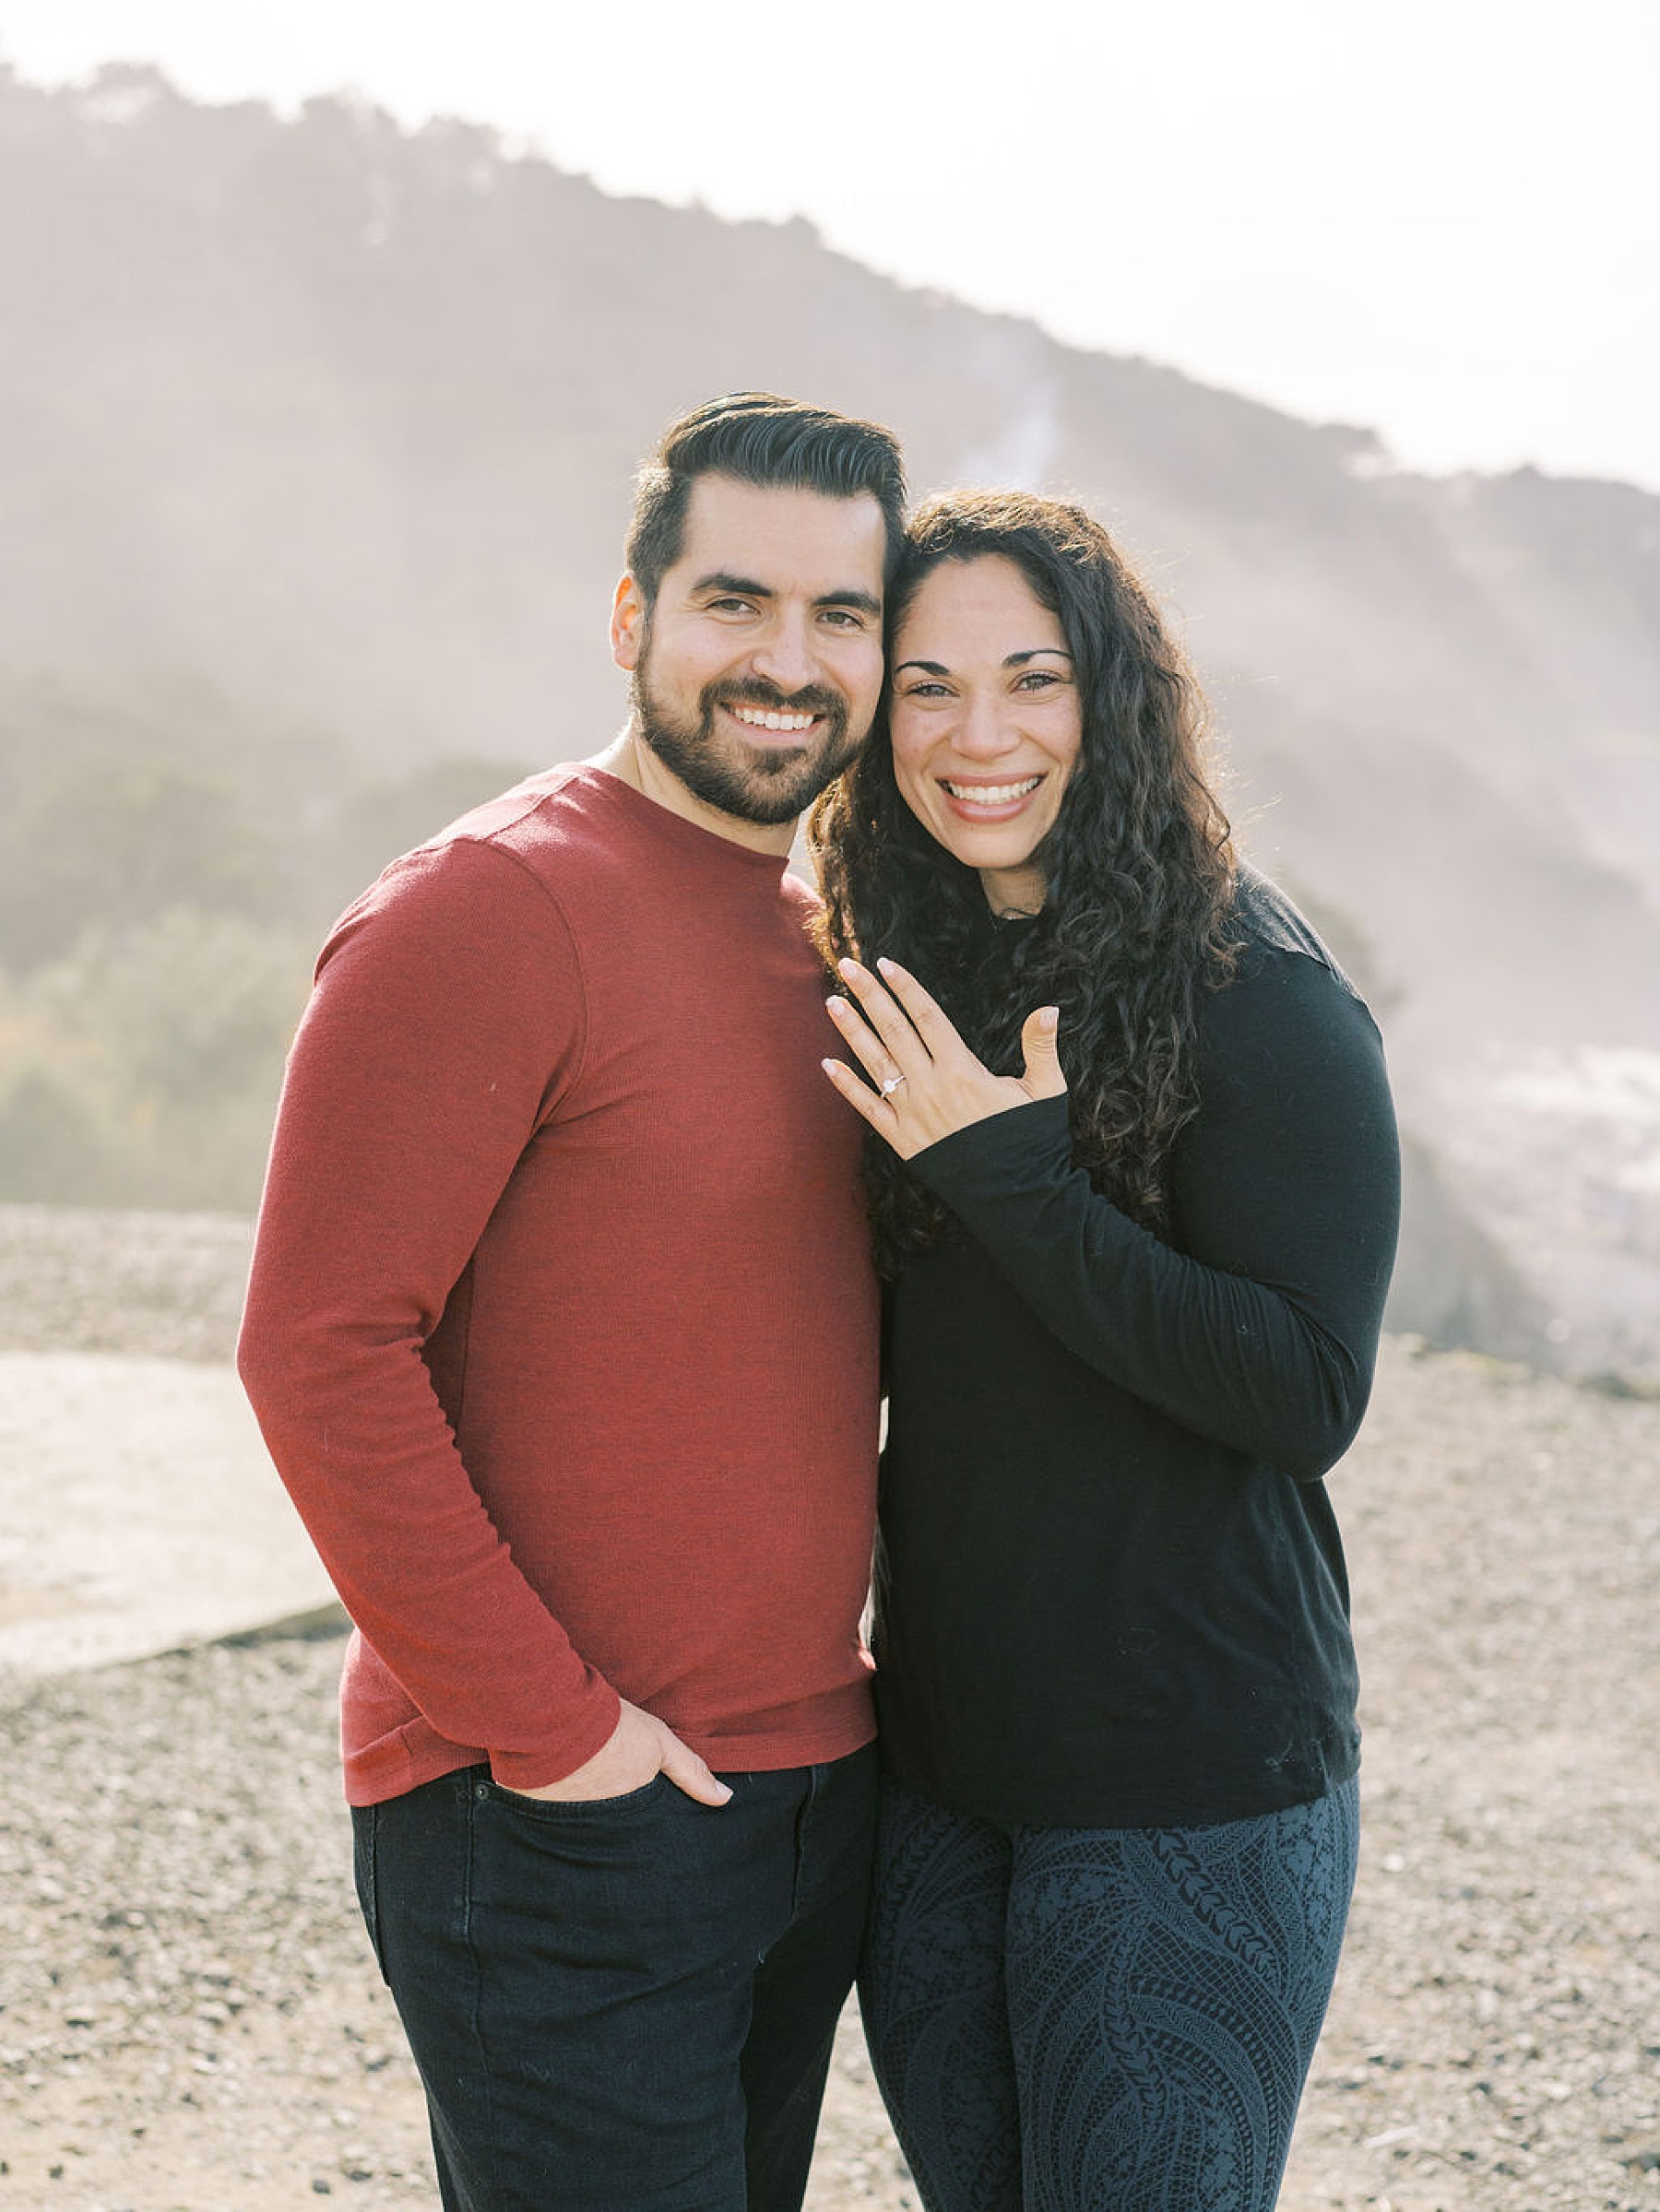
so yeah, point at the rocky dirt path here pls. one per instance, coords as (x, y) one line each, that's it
(190, 2020)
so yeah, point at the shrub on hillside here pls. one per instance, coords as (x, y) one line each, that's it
(143, 1068)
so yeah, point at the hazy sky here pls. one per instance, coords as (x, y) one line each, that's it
(1441, 217)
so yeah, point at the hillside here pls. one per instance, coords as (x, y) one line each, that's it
(319, 434)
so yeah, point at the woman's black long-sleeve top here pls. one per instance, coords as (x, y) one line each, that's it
(1110, 1591)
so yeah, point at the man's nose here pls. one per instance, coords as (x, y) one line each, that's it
(786, 655)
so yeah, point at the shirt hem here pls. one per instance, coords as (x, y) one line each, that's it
(381, 1772)
(1216, 1807)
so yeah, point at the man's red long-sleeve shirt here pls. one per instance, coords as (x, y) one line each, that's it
(561, 1327)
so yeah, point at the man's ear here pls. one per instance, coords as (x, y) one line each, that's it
(627, 624)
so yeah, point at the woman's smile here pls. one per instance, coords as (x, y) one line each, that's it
(974, 801)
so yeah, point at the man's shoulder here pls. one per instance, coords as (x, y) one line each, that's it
(497, 867)
(562, 807)
(526, 843)
(582, 851)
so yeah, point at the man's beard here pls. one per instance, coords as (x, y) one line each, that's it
(763, 784)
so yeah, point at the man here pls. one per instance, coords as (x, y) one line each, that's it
(562, 1333)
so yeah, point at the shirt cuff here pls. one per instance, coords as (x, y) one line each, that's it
(1023, 1143)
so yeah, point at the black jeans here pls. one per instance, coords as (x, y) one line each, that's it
(626, 2005)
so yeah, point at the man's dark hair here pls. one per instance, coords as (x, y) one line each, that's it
(757, 438)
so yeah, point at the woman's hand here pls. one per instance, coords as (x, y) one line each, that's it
(927, 1082)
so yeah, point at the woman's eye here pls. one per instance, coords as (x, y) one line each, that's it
(1038, 680)
(924, 690)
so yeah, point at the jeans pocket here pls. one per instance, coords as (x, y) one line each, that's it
(573, 1811)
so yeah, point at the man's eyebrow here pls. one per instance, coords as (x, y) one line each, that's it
(721, 579)
(747, 587)
(1011, 660)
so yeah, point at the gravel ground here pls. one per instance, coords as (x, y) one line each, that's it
(190, 2020)
(76, 1278)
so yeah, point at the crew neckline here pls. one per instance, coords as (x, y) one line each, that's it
(691, 835)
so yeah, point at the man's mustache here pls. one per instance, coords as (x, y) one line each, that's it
(814, 699)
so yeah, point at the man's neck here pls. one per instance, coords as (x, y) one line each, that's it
(634, 762)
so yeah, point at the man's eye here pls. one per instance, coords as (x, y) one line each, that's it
(729, 605)
(843, 617)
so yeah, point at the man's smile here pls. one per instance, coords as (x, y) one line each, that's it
(768, 717)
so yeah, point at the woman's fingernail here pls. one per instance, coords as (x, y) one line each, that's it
(1048, 1018)
(888, 967)
(835, 1005)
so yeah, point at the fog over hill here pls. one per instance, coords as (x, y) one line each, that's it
(334, 424)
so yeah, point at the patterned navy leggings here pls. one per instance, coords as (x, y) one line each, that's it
(1070, 2019)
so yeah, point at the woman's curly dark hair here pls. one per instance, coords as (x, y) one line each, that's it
(1138, 870)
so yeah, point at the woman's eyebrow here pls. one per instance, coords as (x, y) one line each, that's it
(1011, 660)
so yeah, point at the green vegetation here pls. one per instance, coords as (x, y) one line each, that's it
(167, 866)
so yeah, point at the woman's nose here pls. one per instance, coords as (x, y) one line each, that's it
(984, 732)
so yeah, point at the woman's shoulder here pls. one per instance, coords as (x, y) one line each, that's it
(1288, 996)
(1270, 926)
(1287, 1026)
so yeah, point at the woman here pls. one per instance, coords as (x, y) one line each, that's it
(1140, 1240)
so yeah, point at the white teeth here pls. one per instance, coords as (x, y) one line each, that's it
(994, 795)
(764, 719)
